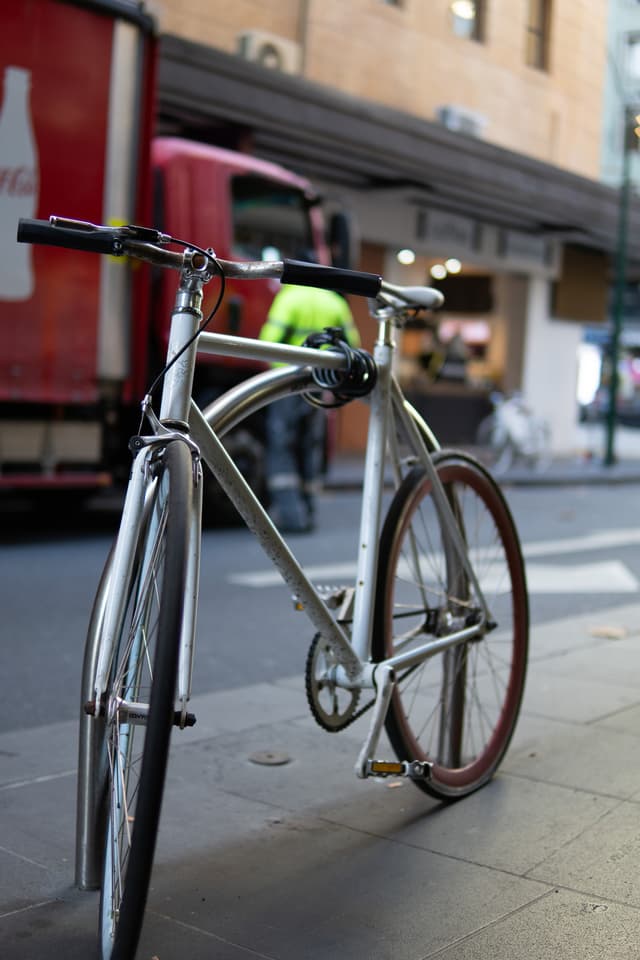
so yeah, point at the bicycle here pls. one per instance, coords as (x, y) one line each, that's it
(513, 434)
(435, 628)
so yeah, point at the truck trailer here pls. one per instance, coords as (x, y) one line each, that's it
(83, 336)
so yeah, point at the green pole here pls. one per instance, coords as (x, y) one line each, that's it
(618, 306)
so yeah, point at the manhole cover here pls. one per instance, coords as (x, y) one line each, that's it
(270, 758)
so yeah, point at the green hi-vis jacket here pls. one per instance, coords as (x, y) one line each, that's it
(297, 312)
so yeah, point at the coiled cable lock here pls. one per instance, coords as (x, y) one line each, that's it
(356, 380)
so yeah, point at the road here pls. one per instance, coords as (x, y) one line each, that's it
(581, 545)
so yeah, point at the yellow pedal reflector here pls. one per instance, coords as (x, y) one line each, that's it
(387, 767)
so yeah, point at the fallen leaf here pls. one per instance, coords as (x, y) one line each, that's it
(608, 632)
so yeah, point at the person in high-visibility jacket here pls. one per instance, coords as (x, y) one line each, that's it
(294, 428)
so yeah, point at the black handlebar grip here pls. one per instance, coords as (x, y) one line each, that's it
(331, 278)
(41, 231)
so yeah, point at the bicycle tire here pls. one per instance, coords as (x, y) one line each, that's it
(458, 709)
(144, 670)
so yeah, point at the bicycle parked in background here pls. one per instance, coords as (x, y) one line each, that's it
(513, 435)
(430, 638)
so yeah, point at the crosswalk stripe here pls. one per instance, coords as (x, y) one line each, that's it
(611, 576)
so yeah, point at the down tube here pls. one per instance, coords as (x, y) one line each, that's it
(257, 520)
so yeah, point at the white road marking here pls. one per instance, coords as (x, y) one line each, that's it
(603, 540)
(610, 576)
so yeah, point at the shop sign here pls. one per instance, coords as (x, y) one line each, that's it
(525, 250)
(446, 231)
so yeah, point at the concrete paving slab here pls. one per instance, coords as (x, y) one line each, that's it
(487, 827)
(615, 661)
(564, 635)
(42, 823)
(551, 694)
(62, 928)
(23, 882)
(603, 860)
(245, 708)
(313, 889)
(560, 925)
(319, 771)
(627, 721)
(594, 758)
(40, 753)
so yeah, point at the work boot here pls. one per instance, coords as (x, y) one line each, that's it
(288, 512)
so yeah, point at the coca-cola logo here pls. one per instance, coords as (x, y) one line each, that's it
(18, 181)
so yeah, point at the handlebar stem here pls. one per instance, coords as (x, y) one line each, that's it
(185, 321)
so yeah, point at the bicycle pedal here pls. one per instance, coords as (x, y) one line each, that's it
(413, 769)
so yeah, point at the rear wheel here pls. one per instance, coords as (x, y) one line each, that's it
(456, 710)
(143, 673)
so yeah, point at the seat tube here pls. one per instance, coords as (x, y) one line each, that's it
(372, 496)
(185, 320)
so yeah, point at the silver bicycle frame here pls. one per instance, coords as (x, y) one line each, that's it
(179, 412)
(386, 402)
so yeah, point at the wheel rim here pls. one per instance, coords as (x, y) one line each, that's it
(131, 680)
(456, 710)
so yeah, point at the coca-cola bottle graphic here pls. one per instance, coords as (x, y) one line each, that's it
(18, 184)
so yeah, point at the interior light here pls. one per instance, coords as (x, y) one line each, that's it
(438, 271)
(406, 257)
(453, 265)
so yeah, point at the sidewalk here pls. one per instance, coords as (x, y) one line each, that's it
(585, 466)
(301, 861)
(346, 472)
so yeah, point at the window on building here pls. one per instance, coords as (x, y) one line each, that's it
(537, 35)
(632, 56)
(468, 18)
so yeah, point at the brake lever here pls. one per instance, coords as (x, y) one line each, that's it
(128, 231)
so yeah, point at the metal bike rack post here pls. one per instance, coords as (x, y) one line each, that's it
(91, 787)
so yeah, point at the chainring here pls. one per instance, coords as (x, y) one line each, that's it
(333, 707)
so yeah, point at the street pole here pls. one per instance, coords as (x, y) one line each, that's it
(618, 301)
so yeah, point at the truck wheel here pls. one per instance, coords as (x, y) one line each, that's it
(248, 453)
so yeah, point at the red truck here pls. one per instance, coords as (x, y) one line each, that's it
(82, 336)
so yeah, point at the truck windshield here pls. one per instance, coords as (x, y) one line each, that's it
(269, 220)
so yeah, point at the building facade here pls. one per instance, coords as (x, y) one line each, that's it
(454, 131)
(526, 75)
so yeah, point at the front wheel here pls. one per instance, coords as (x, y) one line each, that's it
(457, 709)
(143, 674)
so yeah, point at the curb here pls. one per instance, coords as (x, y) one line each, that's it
(347, 473)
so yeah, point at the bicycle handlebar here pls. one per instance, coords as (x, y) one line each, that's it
(144, 243)
(100, 240)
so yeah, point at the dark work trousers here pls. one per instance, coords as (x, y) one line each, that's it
(295, 438)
